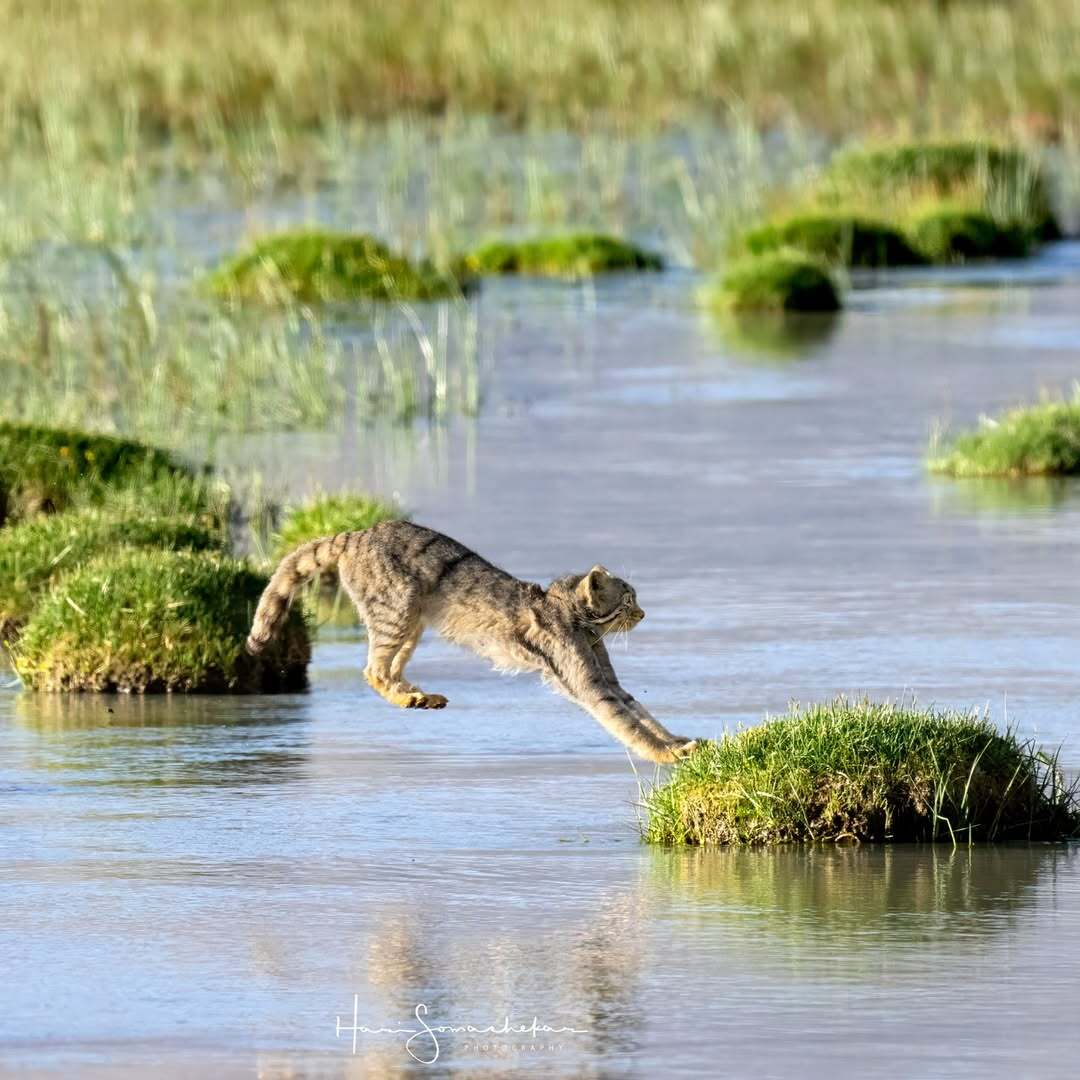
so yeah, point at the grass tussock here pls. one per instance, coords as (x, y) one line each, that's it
(779, 281)
(949, 235)
(575, 255)
(43, 470)
(35, 554)
(318, 267)
(329, 515)
(834, 237)
(864, 771)
(1038, 440)
(151, 621)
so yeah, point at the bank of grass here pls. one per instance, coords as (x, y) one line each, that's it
(1004, 182)
(45, 469)
(837, 65)
(317, 267)
(35, 554)
(572, 255)
(945, 234)
(1037, 440)
(835, 237)
(145, 621)
(864, 771)
(785, 280)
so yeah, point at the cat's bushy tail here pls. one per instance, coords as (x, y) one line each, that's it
(296, 568)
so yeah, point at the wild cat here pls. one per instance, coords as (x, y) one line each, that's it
(403, 577)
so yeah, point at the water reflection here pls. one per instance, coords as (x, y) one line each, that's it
(1002, 495)
(165, 740)
(774, 335)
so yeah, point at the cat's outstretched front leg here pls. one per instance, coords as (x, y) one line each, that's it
(681, 744)
(585, 682)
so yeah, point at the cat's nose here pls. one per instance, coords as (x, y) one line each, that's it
(638, 614)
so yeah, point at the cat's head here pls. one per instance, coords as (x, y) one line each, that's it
(607, 603)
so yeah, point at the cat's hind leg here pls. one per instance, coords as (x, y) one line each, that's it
(392, 637)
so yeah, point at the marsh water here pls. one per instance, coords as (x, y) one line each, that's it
(230, 887)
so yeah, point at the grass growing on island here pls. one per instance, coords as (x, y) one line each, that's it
(574, 255)
(44, 469)
(34, 554)
(862, 770)
(154, 621)
(1037, 440)
(948, 235)
(325, 267)
(778, 281)
(835, 237)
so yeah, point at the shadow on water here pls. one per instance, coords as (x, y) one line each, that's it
(135, 741)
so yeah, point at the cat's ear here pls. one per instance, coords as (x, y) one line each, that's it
(592, 581)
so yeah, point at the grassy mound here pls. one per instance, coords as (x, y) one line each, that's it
(47, 469)
(324, 267)
(999, 179)
(151, 621)
(575, 255)
(781, 281)
(834, 237)
(1040, 440)
(33, 554)
(329, 515)
(864, 771)
(949, 235)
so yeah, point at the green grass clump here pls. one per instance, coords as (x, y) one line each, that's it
(779, 281)
(864, 771)
(34, 554)
(1038, 440)
(574, 255)
(324, 267)
(153, 621)
(835, 237)
(1001, 180)
(329, 515)
(45, 469)
(948, 235)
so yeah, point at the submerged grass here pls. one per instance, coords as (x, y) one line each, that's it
(861, 770)
(1038, 440)
(785, 280)
(325, 267)
(153, 621)
(574, 255)
(34, 554)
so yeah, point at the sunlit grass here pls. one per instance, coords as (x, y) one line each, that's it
(784, 280)
(153, 621)
(861, 770)
(1037, 440)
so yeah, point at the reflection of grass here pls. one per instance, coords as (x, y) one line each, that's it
(1004, 494)
(856, 895)
(323, 267)
(153, 621)
(573, 255)
(777, 335)
(777, 281)
(1039, 440)
(864, 771)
